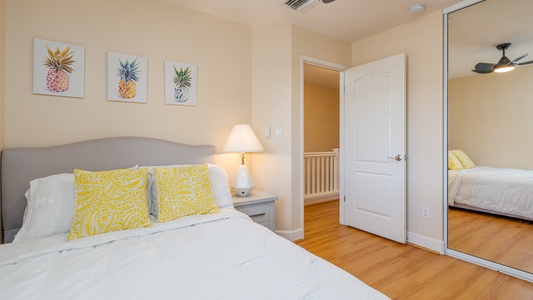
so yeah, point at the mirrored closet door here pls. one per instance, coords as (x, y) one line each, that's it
(490, 119)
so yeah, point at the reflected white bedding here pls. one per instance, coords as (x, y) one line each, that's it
(219, 256)
(506, 191)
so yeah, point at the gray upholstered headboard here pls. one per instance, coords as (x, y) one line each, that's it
(21, 165)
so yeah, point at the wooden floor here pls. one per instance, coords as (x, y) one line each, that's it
(504, 240)
(402, 271)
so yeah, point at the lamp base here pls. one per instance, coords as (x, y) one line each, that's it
(243, 184)
(243, 192)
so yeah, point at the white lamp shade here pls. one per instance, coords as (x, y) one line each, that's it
(242, 139)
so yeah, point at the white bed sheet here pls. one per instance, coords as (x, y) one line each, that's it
(507, 191)
(219, 256)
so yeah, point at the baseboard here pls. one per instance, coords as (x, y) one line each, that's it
(426, 242)
(317, 201)
(292, 236)
(322, 197)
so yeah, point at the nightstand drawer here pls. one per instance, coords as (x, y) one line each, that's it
(258, 213)
(259, 206)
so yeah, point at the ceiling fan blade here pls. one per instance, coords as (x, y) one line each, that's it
(482, 72)
(327, 1)
(526, 63)
(484, 67)
(520, 57)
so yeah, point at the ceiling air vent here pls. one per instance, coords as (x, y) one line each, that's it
(301, 5)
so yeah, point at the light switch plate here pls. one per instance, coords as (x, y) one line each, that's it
(279, 133)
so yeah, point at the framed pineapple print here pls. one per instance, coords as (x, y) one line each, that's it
(181, 84)
(58, 69)
(127, 78)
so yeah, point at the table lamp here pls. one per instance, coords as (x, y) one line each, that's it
(242, 139)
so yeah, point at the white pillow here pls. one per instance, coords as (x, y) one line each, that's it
(50, 207)
(218, 180)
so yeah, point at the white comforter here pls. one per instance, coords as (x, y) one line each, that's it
(219, 256)
(507, 191)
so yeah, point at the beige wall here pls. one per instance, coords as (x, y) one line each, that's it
(422, 41)
(271, 104)
(277, 102)
(228, 56)
(321, 118)
(154, 29)
(490, 118)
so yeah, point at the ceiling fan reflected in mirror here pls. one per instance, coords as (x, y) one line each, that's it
(503, 65)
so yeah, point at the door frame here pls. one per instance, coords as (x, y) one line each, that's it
(326, 65)
(450, 252)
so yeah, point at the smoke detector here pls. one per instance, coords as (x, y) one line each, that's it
(301, 5)
(417, 9)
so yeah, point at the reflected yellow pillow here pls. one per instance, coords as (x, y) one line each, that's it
(464, 159)
(109, 201)
(453, 162)
(184, 191)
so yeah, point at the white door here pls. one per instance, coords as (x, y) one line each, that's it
(374, 148)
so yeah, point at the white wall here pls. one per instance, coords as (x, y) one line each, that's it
(422, 41)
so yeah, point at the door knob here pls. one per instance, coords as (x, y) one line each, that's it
(398, 157)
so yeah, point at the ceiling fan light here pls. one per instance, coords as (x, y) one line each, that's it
(504, 69)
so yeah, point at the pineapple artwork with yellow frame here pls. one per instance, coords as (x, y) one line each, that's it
(126, 78)
(180, 84)
(58, 69)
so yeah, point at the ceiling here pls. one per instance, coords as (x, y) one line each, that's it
(474, 37)
(321, 77)
(475, 31)
(346, 20)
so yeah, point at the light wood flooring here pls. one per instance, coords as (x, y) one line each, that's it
(402, 271)
(504, 240)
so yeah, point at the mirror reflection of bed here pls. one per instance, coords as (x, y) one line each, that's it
(490, 118)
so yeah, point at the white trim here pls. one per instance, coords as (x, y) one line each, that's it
(322, 197)
(342, 196)
(447, 251)
(293, 235)
(491, 265)
(461, 5)
(324, 64)
(426, 242)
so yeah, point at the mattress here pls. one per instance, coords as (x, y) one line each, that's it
(218, 256)
(504, 191)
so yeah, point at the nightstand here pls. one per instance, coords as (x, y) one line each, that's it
(259, 206)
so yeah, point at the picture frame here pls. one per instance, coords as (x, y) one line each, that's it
(181, 83)
(127, 78)
(58, 69)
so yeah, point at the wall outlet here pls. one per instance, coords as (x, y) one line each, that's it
(425, 212)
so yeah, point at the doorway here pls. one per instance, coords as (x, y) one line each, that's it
(320, 103)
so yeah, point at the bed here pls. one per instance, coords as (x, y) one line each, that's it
(501, 191)
(220, 255)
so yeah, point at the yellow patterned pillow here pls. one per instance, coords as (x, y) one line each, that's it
(464, 159)
(453, 162)
(109, 201)
(184, 191)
